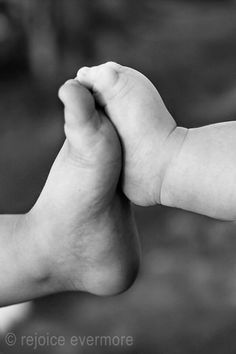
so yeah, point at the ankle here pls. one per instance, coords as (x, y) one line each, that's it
(172, 148)
(42, 267)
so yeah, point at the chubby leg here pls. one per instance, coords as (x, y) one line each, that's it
(202, 176)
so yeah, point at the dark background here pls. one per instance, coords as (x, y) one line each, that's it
(184, 300)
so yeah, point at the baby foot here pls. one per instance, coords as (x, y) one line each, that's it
(147, 130)
(86, 224)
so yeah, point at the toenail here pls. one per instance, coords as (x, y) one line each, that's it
(113, 65)
(70, 81)
(83, 71)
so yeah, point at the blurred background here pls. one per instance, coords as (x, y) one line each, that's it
(184, 300)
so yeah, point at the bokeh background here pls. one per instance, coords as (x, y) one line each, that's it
(184, 300)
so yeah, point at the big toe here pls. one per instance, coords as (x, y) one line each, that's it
(104, 80)
(80, 113)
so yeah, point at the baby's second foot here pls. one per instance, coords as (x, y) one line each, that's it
(147, 130)
(85, 223)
